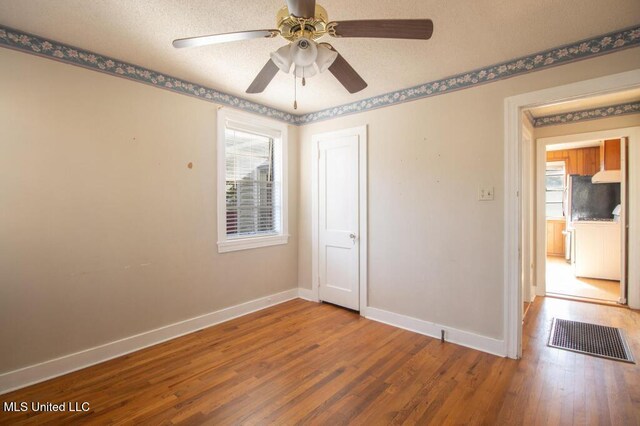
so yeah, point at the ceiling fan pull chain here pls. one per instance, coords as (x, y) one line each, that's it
(295, 94)
(304, 82)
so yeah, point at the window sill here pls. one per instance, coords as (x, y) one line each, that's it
(251, 243)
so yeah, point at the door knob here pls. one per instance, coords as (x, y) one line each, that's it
(352, 236)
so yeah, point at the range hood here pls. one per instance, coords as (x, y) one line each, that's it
(606, 176)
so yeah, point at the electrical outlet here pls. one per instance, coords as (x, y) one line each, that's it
(485, 193)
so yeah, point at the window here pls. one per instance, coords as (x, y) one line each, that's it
(554, 186)
(252, 207)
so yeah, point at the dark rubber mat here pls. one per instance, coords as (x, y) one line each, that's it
(590, 339)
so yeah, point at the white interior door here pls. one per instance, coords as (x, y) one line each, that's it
(338, 221)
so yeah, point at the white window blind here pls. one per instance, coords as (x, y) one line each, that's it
(554, 189)
(252, 186)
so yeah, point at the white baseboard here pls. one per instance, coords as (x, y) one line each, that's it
(32, 374)
(452, 335)
(307, 294)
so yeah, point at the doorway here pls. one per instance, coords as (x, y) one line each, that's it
(339, 217)
(584, 186)
(513, 179)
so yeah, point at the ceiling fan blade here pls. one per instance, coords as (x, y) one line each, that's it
(419, 29)
(223, 38)
(263, 78)
(302, 8)
(345, 73)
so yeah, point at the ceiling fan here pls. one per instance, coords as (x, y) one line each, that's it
(302, 22)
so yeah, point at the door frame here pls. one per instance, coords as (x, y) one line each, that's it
(528, 216)
(513, 108)
(361, 132)
(632, 205)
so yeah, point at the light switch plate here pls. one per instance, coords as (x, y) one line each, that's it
(485, 193)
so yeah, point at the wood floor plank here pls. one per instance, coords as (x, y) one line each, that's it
(307, 363)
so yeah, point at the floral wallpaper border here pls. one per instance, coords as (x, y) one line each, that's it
(576, 51)
(588, 114)
(33, 44)
(604, 44)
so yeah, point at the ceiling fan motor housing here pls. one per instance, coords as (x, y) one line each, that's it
(291, 28)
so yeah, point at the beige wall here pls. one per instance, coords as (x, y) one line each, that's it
(435, 252)
(104, 231)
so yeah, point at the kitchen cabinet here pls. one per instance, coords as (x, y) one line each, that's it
(555, 237)
(611, 154)
(597, 250)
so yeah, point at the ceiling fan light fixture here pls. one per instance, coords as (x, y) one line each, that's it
(304, 52)
(282, 58)
(325, 57)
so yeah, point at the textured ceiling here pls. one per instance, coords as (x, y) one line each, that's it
(468, 34)
(609, 99)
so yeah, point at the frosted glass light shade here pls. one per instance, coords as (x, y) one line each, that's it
(304, 52)
(309, 71)
(282, 58)
(325, 57)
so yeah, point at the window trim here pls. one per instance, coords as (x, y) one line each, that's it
(271, 128)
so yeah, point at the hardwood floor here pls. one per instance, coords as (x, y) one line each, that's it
(561, 281)
(307, 363)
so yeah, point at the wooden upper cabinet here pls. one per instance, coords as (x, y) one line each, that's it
(612, 154)
(578, 161)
